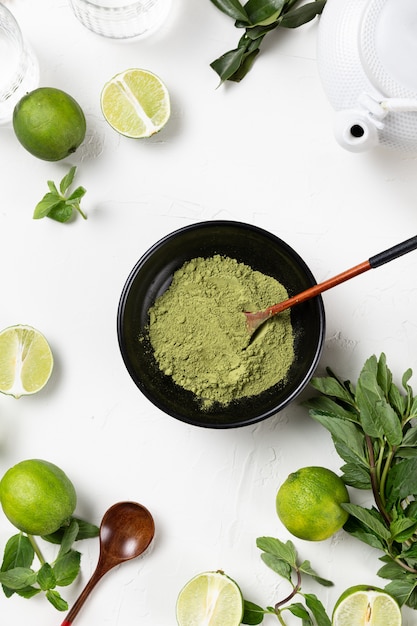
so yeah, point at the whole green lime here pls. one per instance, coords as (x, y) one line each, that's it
(49, 123)
(309, 503)
(37, 497)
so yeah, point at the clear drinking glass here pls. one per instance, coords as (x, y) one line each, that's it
(19, 70)
(121, 19)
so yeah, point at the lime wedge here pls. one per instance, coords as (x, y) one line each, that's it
(136, 103)
(210, 599)
(366, 606)
(26, 361)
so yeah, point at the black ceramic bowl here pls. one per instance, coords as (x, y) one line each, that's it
(152, 275)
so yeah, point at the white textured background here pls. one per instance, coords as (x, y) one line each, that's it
(263, 152)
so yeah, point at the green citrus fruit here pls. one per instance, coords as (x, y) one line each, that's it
(37, 497)
(136, 103)
(49, 123)
(212, 599)
(308, 503)
(26, 361)
(363, 605)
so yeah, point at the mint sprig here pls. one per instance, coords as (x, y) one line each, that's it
(59, 204)
(282, 558)
(373, 425)
(19, 576)
(257, 18)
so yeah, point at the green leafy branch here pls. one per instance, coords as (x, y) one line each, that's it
(17, 574)
(373, 426)
(257, 18)
(282, 558)
(60, 204)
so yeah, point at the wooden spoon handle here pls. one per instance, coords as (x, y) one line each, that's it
(374, 261)
(315, 290)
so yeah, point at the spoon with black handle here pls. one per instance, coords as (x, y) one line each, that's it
(254, 320)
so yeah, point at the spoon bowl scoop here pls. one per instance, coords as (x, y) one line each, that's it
(255, 319)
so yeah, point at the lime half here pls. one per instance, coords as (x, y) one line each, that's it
(366, 606)
(136, 103)
(210, 599)
(26, 361)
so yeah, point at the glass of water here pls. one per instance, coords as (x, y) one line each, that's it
(19, 70)
(121, 19)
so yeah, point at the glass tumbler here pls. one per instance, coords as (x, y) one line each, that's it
(121, 19)
(19, 70)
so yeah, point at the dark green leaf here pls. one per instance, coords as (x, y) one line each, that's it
(253, 614)
(46, 578)
(306, 568)
(403, 529)
(18, 577)
(68, 538)
(66, 568)
(401, 590)
(378, 418)
(328, 406)
(66, 182)
(401, 481)
(226, 65)
(300, 611)
(302, 15)
(28, 592)
(392, 571)
(263, 11)
(368, 518)
(355, 475)
(284, 551)
(317, 608)
(232, 8)
(330, 386)
(85, 531)
(48, 202)
(355, 528)
(342, 430)
(397, 401)
(56, 600)
(283, 568)
(410, 437)
(17, 553)
(245, 66)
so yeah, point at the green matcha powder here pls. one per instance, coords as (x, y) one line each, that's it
(198, 332)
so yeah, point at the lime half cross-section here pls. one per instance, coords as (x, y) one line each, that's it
(366, 606)
(26, 361)
(210, 599)
(136, 103)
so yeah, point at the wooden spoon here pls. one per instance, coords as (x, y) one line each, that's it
(126, 530)
(254, 320)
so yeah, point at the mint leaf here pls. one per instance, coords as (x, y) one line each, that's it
(18, 577)
(56, 600)
(58, 205)
(66, 182)
(67, 567)
(46, 577)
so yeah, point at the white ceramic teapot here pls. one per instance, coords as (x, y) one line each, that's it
(367, 60)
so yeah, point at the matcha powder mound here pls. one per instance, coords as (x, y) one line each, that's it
(197, 329)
